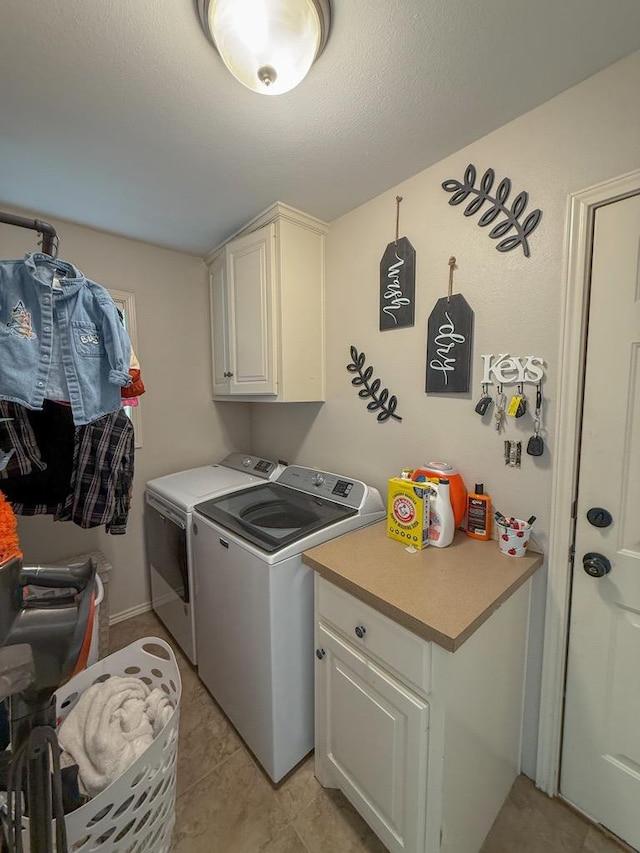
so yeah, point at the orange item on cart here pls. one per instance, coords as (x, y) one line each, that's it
(457, 488)
(9, 547)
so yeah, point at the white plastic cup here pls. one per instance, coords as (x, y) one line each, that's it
(513, 537)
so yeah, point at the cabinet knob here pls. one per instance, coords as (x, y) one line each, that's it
(320, 653)
(360, 631)
(228, 374)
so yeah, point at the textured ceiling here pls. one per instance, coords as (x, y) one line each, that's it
(120, 115)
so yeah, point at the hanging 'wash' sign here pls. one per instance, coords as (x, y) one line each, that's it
(449, 339)
(397, 285)
(397, 281)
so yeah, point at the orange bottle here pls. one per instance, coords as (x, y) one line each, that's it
(478, 514)
(458, 491)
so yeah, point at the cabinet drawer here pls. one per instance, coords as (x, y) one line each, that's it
(402, 652)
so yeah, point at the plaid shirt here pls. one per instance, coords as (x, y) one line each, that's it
(17, 442)
(101, 478)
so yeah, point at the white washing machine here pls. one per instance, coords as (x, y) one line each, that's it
(169, 502)
(254, 608)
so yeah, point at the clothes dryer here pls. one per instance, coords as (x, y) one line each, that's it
(169, 502)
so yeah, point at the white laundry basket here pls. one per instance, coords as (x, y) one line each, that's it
(137, 811)
(94, 647)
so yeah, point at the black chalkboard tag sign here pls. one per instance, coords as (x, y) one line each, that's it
(449, 341)
(397, 285)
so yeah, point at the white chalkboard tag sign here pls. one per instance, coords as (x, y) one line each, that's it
(397, 285)
(449, 341)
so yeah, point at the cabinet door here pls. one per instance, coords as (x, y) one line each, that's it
(219, 326)
(372, 742)
(251, 293)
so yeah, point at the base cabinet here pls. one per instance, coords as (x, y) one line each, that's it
(424, 743)
(384, 773)
(267, 310)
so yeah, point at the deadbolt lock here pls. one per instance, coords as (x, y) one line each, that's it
(596, 565)
(599, 517)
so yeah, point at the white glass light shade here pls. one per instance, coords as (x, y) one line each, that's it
(268, 45)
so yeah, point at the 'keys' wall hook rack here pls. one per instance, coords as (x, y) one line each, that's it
(505, 369)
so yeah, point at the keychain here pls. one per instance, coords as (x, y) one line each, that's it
(518, 404)
(482, 406)
(535, 445)
(501, 402)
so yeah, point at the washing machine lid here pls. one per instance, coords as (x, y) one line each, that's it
(272, 516)
(184, 489)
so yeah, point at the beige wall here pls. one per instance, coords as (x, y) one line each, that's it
(587, 134)
(180, 426)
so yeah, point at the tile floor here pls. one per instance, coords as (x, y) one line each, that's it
(227, 805)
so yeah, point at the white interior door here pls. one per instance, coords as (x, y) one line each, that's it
(600, 772)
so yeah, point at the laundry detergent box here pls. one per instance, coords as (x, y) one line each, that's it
(408, 512)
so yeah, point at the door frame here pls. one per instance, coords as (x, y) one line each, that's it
(574, 319)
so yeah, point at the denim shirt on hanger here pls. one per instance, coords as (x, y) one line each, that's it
(41, 297)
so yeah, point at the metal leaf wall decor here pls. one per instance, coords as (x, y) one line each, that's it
(380, 399)
(498, 207)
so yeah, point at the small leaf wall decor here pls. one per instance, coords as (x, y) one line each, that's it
(498, 206)
(371, 390)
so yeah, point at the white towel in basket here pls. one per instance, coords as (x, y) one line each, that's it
(111, 725)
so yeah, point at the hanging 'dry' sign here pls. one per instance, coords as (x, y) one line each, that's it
(449, 341)
(397, 282)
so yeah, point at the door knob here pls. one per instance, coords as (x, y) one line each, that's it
(599, 517)
(360, 631)
(596, 565)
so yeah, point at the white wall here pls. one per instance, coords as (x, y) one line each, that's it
(181, 428)
(587, 134)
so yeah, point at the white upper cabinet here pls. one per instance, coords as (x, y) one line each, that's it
(267, 310)
(251, 332)
(218, 309)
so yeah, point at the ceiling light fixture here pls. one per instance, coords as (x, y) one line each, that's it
(268, 45)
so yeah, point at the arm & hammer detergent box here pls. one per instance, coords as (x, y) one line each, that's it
(408, 512)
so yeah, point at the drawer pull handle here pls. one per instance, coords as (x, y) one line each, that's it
(320, 653)
(360, 631)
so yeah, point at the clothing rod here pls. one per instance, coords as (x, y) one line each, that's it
(47, 230)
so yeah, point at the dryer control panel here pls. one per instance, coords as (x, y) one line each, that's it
(264, 468)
